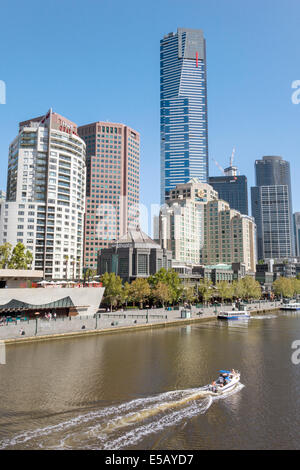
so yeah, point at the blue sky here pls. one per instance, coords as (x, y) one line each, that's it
(99, 60)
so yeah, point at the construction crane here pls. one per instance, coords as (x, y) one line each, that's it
(231, 170)
(232, 156)
(219, 166)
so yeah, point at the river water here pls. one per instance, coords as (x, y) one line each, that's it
(142, 390)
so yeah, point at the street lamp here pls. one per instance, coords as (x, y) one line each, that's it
(36, 322)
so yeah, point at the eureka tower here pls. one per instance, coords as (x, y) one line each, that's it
(183, 109)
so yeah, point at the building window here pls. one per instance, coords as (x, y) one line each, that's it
(142, 264)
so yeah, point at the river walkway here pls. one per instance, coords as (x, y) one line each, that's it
(113, 322)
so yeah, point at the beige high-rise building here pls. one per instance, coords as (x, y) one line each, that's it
(181, 224)
(229, 236)
(199, 228)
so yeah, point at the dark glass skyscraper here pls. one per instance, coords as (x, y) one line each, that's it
(183, 109)
(271, 201)
(232, 189)
(297, 232)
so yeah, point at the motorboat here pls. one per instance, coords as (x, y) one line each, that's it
(291, 306)
(234, 315)
(227, 380)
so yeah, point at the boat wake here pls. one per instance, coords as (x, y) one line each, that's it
(121, 426)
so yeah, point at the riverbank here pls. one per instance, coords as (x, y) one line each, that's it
(115, 322)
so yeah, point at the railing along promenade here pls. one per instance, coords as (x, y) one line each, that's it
(104, 320)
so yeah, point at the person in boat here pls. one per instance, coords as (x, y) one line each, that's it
(227, 379)
(214, 386)
(221, 380)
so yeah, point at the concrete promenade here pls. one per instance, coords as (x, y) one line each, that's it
(113, 322)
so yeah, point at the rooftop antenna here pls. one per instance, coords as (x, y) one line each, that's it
(232, 156)
(231, 170)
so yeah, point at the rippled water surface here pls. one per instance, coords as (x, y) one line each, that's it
(145, 390)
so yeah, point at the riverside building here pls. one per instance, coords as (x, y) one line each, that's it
(296, 217)
(183, 109)
(272, 208)
(45, 197)
(199, 228)
(232, 188)
(134, 255)
(113, 185)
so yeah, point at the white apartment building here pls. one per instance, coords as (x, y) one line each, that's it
(45, 200)
(181, 225)
(229, 236)
(199, 228)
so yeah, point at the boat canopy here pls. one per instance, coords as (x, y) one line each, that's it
(225, 371)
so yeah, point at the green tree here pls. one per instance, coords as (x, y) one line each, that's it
(113, 289)
(140, 290)
(296, 285)
(188, 294)
(5, 254)
(162, 293)
(284, 287)
(125, 296)
(250, 287)
(205, 290)
(238, 289)
(225, 290)
(20, 258)
(89, 273)
(66, 257)
(171, 279)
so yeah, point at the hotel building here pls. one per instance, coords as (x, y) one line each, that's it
(113, 184)
(199, 228)
(45, 197)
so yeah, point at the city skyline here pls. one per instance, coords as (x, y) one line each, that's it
(247, 94)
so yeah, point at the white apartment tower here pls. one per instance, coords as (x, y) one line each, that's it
(45, 200)
(181, 224)
(200, 228)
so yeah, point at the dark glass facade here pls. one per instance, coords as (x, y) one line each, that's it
(232, 189)
(271, 202)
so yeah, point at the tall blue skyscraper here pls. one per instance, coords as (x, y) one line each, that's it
(183, 109)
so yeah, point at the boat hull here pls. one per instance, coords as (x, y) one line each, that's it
(290, 308)
(233, 316)
(217, 390)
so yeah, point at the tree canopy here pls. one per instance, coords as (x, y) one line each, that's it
(15, 258)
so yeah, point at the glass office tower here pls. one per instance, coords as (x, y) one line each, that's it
(183, 109)
(297, 233)
(272, 208)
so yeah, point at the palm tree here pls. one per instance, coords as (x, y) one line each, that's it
(66, 260)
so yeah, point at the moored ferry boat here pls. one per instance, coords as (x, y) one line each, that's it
(291, 306)
(234, 315)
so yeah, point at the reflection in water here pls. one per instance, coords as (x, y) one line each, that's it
(143, 390)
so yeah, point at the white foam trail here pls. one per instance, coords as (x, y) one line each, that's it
(262, 317)
(102, 428)
(28, 435)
